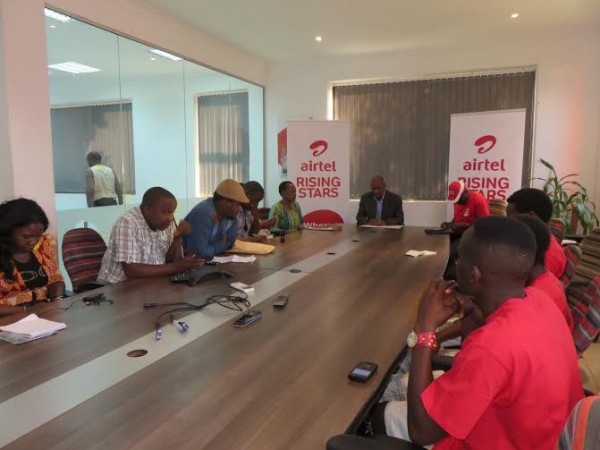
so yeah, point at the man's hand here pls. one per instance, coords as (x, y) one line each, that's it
(188, 262)
(184, 228)
(268, 223)
(438, 303)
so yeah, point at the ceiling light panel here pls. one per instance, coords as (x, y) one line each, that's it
(165, 55)
(73, 67)
(56, 16)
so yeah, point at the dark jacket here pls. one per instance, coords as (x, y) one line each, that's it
(391, 212)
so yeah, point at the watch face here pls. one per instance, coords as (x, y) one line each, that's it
(412, 339)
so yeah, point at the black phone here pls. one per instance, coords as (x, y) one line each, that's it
(362, 371)
(247, 318)
(281, 301)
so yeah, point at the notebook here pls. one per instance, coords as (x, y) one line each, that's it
(28, 329)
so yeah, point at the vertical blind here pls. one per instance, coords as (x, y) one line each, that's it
(401, 130)
(223, 139)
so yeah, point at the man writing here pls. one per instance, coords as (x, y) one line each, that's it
(146, 242)
(380, 206)
(468, 207)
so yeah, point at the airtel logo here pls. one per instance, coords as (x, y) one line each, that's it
(485, 143)
(318, 148)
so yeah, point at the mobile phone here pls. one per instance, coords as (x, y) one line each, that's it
(247, 318)
(281, 301)
(362, 371)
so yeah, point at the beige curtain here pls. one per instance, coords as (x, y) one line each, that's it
(401, 130)
(223, 141)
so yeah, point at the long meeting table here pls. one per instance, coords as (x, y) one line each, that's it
(280, 383)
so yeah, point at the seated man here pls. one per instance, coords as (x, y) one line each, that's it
(248, 221)
(535, 201)
(214, 226)
(380, 206)
(492, 396)
(541, 278)
(145, 242)
(468, 207)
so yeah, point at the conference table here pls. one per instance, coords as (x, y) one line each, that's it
(280, 383)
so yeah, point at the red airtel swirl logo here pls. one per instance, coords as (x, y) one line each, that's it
(485, 143)
(318, 147)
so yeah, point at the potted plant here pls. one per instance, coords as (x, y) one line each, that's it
(570, 201)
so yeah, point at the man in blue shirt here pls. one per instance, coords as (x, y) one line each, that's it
(213, 221)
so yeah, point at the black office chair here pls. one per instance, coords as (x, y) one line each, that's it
(377, 442)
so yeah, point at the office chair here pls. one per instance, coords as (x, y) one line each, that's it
(557, 227)
(497, 206)
(82, 252)
(582, 431)
(573, 254)
(586, 315)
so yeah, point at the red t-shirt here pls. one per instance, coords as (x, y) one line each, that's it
(475, 207)
(513, 384)
(550, 285)
(556, 260)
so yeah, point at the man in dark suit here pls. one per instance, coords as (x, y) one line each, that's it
(380, 207)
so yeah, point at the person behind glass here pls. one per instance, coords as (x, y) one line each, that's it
(286, 212)
(380, 206)
(102, 186)
(146, 242)
(214, 220)
(248, 221)
(29, 270)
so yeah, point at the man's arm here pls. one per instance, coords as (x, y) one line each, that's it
(139, 270)
(118, 189)
(433, 311)
(255, 228)
(90, 187)
(361, 216)
(199, 240)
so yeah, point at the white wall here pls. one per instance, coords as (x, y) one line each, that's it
(567, 116)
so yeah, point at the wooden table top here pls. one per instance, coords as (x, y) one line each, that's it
(279, 383)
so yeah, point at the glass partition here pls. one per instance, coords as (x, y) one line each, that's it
(153, 118)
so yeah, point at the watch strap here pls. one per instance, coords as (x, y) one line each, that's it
(427, 340)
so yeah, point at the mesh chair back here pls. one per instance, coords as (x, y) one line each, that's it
(573, 254)
(589, 264)
(557, 227)
(82, 252)
(586, 315)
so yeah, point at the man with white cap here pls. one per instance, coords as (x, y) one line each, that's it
(468, 207)
(214, 226)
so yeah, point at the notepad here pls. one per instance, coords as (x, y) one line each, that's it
(29, 328)
(415, 253)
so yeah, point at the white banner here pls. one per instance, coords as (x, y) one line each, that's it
(318, 163)
(486, 151)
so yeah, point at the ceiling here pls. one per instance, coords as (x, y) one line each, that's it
(279, 29)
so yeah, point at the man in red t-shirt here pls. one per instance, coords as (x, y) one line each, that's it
(535, 201)
(541, 278)
(468, 207)
(516, 379)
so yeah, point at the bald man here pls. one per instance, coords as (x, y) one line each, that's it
(380, 206)
(492, 396)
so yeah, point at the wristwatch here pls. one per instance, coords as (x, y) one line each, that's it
(420, 340)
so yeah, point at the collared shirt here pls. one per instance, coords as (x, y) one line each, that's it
(554, 289)
(244, 220)
(133, 242)
(556, 260)
(379, 206)
(210, 234)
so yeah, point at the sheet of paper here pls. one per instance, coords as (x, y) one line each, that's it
(34, 327)
(393, 227)
(234, 258)
(415, 253)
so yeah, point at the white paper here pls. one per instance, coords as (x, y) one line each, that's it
(393, 227)
(415, 253)
(34, 327)
(234, 258)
